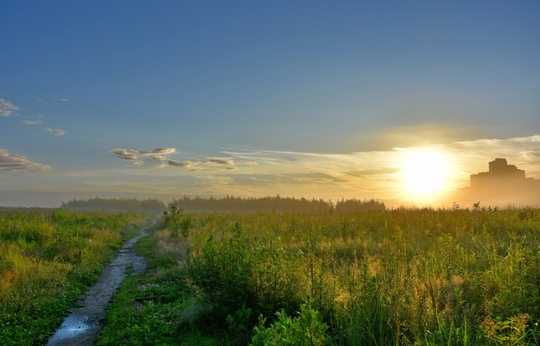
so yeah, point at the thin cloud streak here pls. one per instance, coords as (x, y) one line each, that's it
(316, 175)
(203, 165)
(32, 122)
(7, 108)
(56, 132)
(14, 162)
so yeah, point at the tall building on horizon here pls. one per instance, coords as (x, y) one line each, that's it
(503, 185)
(500, 172)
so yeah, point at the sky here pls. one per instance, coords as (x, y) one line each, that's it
(312, 99)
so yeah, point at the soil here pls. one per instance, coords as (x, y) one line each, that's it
(83, 325)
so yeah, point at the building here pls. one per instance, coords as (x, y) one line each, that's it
(503, 185)
(500, 173)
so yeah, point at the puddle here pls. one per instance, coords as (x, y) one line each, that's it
(73, 326)
(83, 324)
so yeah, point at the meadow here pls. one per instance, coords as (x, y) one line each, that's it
(395, 277)
(48, 258)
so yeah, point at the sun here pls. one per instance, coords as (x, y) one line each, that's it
(424, 174)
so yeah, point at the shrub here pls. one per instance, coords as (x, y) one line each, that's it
(305, 329)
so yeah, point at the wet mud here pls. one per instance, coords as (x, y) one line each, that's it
(83, 325)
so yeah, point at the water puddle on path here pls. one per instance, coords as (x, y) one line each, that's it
(83, 324)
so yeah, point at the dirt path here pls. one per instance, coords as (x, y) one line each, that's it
(83, 324)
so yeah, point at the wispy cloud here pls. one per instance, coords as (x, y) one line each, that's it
(14, 162)
(32, 122)
(217, 161)
(162, 160)
(56, 132)
(139, 156)
(7, 108)
(174, 163)
(320, 174)
(203, 165)
(57, 99)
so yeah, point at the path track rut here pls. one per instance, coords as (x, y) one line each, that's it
(83, 324)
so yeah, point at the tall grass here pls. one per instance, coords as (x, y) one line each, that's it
(47, 259)
(378, 278)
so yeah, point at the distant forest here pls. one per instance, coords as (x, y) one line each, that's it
(228, 204)
(115, 204)
(275, 204)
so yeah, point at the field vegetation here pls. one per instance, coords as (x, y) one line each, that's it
(393, 277)
(48, 258)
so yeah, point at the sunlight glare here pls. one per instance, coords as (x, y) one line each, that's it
(424, 174)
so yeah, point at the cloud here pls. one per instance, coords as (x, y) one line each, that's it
(139, 156)
(7, 108)
(217, 161)
(63, 99)
(31, 122)
(13, 162)
(130, 154)
(175, 163)
(201, 165)
(57, 132)
(212, 164)
(310, 174)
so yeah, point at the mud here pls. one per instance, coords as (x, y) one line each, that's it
(83, 324)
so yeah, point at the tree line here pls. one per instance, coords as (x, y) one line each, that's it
(275, 204)
(228, 204)
(114, 204)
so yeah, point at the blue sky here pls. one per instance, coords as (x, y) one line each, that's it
(314, 99)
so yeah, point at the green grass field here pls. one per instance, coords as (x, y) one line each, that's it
(48, 258)
(400, 277)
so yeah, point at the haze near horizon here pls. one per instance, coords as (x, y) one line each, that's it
(397, 101)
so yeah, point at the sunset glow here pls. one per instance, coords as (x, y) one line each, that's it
(424, 174)
(398, 101)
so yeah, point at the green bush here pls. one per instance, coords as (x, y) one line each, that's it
(305, 329)
(222, 271)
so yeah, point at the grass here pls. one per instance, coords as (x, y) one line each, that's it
(153, 307)
(47, 260)
(403, 277)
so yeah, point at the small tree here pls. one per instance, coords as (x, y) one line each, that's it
(176, 221)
